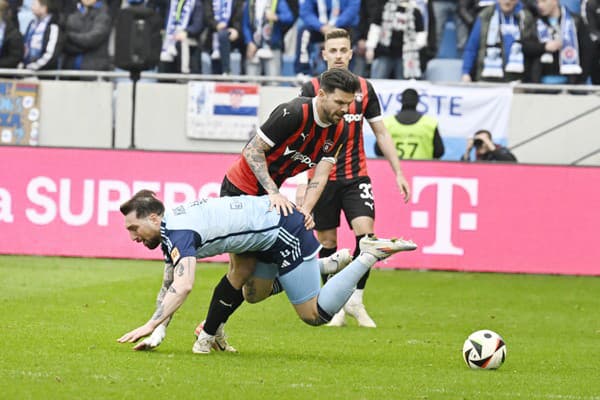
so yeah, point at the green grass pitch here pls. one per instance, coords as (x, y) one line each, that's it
(60, 318)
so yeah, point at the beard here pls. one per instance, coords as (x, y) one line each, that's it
(152, 243)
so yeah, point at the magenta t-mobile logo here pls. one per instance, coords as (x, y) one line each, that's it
(467, 221)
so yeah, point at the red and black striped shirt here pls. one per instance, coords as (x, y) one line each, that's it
(352, 161)
(298, 140)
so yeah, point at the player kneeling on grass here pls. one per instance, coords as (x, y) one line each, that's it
(284, 249)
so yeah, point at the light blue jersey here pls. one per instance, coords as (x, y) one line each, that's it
(237, 224)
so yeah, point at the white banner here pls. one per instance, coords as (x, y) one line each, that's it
(461, 111)
(222, 111)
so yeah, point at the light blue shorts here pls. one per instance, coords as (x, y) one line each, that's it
(300, 284)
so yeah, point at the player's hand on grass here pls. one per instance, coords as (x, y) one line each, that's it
(154, 340)
(281, 204)
(136, 334)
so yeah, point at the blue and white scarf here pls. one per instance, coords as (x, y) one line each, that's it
(222, 11)
(567, 32)
(493, 62)
(34, 39)
(262, 29)
(331, 17)
(2, 29)
(180, 12)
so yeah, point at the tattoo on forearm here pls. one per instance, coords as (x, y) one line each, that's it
(180, 269)
(255, 156)
(158, 313)
(312, 185)
(161, 295)
(172, 290)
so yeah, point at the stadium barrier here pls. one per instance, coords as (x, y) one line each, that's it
(463, 216)
(558, 127)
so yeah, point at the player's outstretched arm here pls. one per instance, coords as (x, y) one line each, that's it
(254, 153)
(386, 144)
(160, 332)
(314, 189)
(183, 282)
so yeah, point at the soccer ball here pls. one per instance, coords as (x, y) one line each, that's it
(484, 349)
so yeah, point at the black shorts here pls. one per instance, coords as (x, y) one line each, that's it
(354, 196)
(228, 189)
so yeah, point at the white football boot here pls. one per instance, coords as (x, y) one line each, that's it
(338, 320)
(206, 342)
(383, 248)
(335, 262)
(355, 308)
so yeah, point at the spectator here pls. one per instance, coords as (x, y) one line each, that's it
(86, 37)
(223, 34)
(416, 136)
(180, 51)
(264, 23)
(591, 15)
(469, 9)
(562, 54)
(43, 38)
(499, 47)
(319, 17)
(13, 11)
(11, 41)
(443, 11)
(430, 50)
(486, 149)
(396, 34)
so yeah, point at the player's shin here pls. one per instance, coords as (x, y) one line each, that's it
(226, 299)
(339, 288)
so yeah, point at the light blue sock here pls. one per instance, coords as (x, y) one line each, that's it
(339, 288)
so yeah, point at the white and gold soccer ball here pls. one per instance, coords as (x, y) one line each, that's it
(484, 349)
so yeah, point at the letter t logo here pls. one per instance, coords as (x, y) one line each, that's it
(444, 211)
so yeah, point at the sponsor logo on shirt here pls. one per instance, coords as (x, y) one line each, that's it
(353, 117)
(297, 156)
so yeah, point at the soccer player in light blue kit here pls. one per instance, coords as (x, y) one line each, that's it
(282, 245)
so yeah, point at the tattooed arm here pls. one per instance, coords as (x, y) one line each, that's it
(254, 153)
(183, 281)
(313, 191)
(167, 282)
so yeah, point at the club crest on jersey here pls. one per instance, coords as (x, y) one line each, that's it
(358, 96)
(175, 254)
(327, 146)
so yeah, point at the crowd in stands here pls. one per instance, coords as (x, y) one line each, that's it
(540, 41)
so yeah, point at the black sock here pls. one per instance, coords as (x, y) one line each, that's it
(226, 299)
(363, 281)
(325, 252)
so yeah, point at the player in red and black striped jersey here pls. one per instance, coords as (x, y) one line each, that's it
(349, 186)
(301, 134)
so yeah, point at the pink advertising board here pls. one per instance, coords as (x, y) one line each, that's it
(468, 217)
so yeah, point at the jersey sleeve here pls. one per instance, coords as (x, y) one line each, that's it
(180, 244)
(307, 89)
(373, 110)
(285, 119)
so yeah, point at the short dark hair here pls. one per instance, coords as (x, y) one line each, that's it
(337, 33)
(488, 133)
(338, 78)
(143, 203)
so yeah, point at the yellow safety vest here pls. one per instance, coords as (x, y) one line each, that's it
(413, 142)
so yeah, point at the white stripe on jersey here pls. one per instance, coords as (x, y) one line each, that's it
(291, 240)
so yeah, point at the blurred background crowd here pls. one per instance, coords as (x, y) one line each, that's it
(543, 41)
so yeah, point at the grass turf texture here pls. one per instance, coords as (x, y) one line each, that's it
(61, 318)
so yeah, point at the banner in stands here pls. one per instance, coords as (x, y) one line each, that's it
(19, 112)
(222, 111)
(467, 217)
(461, 111)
